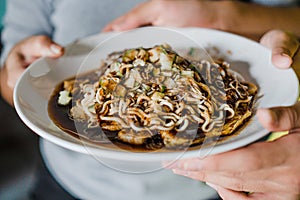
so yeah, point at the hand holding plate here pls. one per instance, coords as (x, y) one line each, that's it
(21, 56)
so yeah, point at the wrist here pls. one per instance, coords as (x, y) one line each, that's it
(246, 19)
(229, 18)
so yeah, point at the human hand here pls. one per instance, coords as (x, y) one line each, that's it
(285, 49)
(285, 54)
(21, 56)
(177, 13)
(268, 170)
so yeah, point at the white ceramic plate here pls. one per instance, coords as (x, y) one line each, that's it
(278, 87)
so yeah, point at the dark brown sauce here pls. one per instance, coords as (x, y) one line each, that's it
(95, 136)
(61, 118)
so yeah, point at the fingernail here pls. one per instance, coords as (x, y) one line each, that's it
(187, 165)
(120, 25)
(272, 116)
(282, 61)
(117, 27)
(269, 118)
(194, 165)
(266, 114)
(178, 165)
(212, 185)
(286, 59)
(55, 49)
(180, 172)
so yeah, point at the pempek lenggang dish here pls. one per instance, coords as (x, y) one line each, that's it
(154, 98)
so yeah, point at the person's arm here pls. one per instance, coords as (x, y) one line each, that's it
(26, 37)
(263, 170)
(21, 56)
(233, 16)
(24, 19)
(254, 19)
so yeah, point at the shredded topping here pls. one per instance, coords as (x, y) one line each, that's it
(155, 96)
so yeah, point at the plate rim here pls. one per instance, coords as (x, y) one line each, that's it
(131, 156)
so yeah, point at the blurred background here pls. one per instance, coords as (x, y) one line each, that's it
(2, 10)
(18, 149)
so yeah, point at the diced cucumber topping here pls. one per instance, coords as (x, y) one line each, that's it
(64, 98)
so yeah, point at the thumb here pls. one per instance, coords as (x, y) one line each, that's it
(280, 118)
(283, 46)
(40, 46)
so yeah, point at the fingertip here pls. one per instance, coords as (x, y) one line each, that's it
(116, 25)
(116, 28)
(282, 61)
(213, 186)
(56, 49)
(106, 29)
(264, 115)
(125, 24)
(52, 51)
(181, 172)
(267, 118)
(121, 27)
